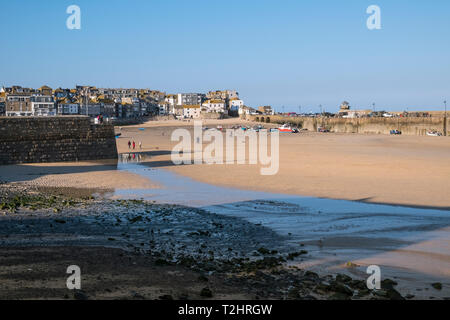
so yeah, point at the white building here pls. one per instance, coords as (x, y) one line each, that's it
(236, 104)
(191, 111)
(42, 105)
(244, 110)
(217, 106)
(163, 108)
(170, 101)
(68, 108)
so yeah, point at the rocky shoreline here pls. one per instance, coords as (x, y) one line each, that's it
(219, 257)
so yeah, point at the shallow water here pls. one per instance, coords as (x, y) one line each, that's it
(406, 241)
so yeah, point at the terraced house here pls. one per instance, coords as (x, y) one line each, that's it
(213, 105)
(18, 104)
(42, 105)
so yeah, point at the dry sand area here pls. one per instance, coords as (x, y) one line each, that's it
(403, 170)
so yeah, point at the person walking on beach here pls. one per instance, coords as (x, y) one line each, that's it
(140, 145)
(129, 144)
(134, 145)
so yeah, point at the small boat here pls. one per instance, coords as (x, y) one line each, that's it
(323, 130)
(434, 134)
(142, 129)
(118, 135)
(285, 128)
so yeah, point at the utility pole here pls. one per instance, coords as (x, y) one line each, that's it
(373, 107)
(299, 110)
(85, 101)
(445, 118)
(321, 113)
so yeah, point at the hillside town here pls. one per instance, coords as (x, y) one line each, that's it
(120, 103)
(127, 104)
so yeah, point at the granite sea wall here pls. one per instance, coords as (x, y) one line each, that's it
(54, 139)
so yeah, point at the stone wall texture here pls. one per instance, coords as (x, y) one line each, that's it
(54, 139)
(408, 126)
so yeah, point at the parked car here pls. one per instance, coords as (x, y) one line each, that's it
(396, 132)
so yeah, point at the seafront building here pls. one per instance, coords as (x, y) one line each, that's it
(116, 102)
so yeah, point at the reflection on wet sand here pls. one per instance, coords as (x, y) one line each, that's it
(409, 243)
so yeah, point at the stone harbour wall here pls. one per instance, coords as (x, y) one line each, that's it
(408, 126)
(54, 139)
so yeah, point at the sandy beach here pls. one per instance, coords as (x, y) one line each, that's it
(399, 170)
(97, 176)
(226, 201)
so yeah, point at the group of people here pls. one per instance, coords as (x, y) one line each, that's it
(99, 119)
(134, 145)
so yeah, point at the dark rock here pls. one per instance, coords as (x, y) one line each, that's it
(363, 292)
(308, 297)
(394, 294)
(321, 288)
(388, 284)
(161, 262)
(293, 294)
(358, 284)
(343, 278)
(340, 288)
(380, 293)
(437, 285)
(203, 278)
(339, 296)
(263, 251)
(80, 295)
(138, 296)
(311, 275)
(206, 292)
(183, 296)
(293, 255)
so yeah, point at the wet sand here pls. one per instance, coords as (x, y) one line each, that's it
(96, 176)
(141, 250)
(398, 170)
(410, 245)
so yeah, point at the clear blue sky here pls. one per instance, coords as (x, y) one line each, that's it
(273, 52)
